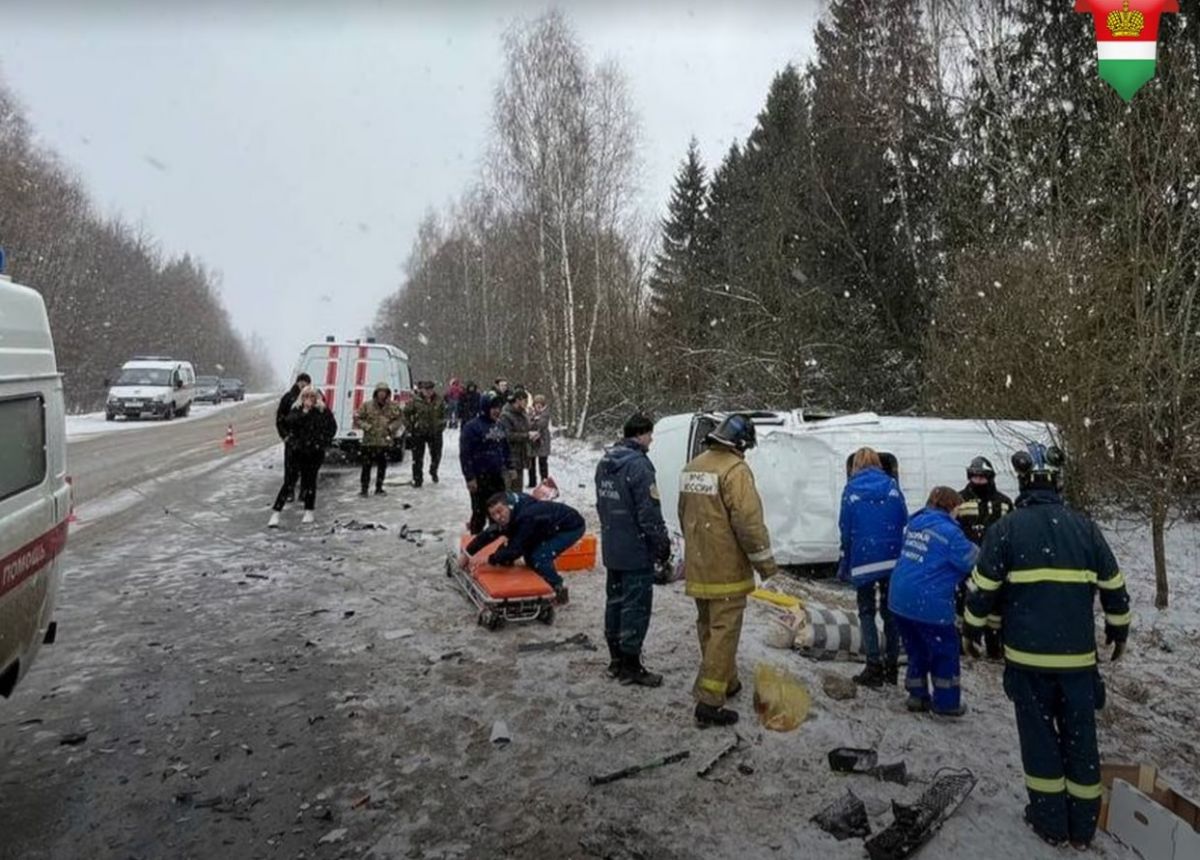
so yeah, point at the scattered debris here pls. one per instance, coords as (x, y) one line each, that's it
(73, 739)
(361, 802)
(633, 770)
(500, 733)
(349, 613)
(745, 769)
(914, 825)
(256, 576)
(862, 761)
(852, 760)
(333, 836)
(357, 526)
(579, 641)
(838, 687)
(392, 635)
(846, 817)
(616, 730)
(712, 762)
(450, 655)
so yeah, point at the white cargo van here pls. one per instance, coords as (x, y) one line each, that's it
(35, 497)
(800, 465)
(347, 373)
(156, 386)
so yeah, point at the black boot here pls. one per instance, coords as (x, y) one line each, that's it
(433, 476)
(995, 649)
(891, 674)
(561, 596)
(872, 676)
(365, 491)
(710, 715)
(614, 661)
(633, 672)
(380, 491)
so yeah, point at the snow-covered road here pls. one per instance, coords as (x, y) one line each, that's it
(90, 424)
(325, 692)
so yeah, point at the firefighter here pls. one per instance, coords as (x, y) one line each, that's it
(725, 541)
(1051, 560)
(982, 505)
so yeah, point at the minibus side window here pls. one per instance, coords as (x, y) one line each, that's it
(22, 444)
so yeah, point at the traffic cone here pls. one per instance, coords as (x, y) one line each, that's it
(229, 440)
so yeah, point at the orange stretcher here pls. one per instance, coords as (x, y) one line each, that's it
(501, 594)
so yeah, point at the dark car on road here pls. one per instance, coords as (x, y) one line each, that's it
(232, 389)
(208, 390)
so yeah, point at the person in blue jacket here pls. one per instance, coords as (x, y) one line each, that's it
(484, 456)
(872, 525)
(633, 539)
(537, 531)
(936, 557)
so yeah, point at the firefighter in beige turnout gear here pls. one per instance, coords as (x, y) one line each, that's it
(725, 541)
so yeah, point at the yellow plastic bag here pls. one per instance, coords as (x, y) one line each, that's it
(781, 700)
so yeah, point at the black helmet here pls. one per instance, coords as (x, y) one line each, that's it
(1039, 466)
(736, 431)
(981, 467)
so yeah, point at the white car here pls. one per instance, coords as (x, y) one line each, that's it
(151, 386)
(35, 495)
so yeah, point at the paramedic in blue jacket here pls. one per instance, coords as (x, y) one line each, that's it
(1045, 562)
(936, 557)
(633, 539)
(872, 526)
(484, 456)
(537, 531)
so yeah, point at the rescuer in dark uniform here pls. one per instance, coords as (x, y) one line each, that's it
(1051, 561)
(982, 505)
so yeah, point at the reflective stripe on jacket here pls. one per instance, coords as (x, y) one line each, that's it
(1051, 561)
(725, 537)
(871, 523)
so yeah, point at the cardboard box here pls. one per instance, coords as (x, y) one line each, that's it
(1146, 813)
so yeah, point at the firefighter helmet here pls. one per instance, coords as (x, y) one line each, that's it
(736, 431)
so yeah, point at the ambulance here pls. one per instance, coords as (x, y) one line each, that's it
(35, 493)
(346, 372)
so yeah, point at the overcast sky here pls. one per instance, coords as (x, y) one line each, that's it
(295, 146)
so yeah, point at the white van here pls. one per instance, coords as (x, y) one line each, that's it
(156, 386)
(801, 461)
(347, 373)
(35, 496)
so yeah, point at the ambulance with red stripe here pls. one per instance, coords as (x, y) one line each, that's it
(35, 496)
(347, 372)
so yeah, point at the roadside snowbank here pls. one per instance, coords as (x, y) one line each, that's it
(94, 423)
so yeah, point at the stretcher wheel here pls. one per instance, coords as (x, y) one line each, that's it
(497, 621)
(546, 614)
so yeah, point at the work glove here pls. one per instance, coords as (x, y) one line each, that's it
(1116, 637)
(973, 641)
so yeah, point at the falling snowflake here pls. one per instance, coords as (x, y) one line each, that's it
(1066, 398)
(1008, 380)
(423, 339)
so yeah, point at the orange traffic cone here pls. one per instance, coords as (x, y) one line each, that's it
(229, 440)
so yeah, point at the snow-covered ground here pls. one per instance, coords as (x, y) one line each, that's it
(570, 720)
(403, 688)
(94, 423)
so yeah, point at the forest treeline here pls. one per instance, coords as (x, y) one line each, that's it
(945, 212)
(110, 293)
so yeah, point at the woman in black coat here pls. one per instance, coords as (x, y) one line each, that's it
(310, 430)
